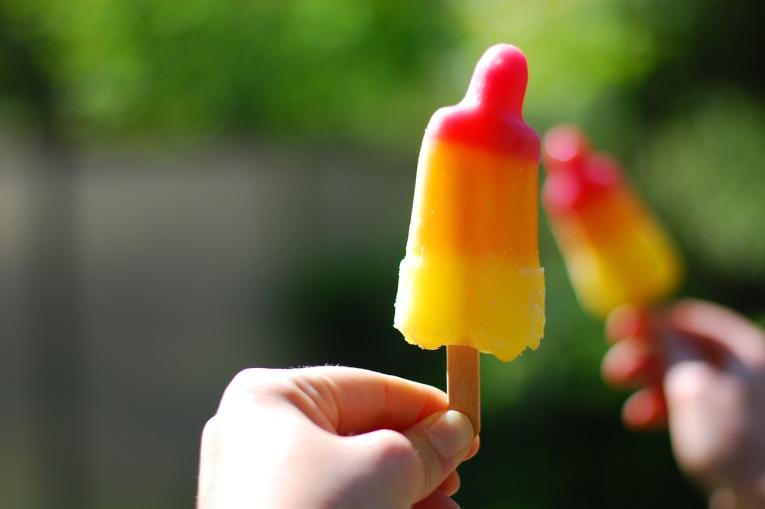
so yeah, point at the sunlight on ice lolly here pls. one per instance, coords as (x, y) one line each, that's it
(471, 277)
(471, 274)
(616, 253)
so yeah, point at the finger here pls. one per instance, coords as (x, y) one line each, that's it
(689, 377)
(627, 321)
(451, 484)
(645, 410)
(437, 500)
(629, 363)
(719, 327)
(343, 400)
(368, 400)
(418, 461)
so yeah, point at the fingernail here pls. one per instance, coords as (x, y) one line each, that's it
(451, 433)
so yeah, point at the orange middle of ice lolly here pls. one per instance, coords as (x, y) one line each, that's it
(471, 274)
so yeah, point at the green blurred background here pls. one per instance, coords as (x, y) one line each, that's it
(191, 188)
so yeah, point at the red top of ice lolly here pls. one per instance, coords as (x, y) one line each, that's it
(576, 176)
(490, 115)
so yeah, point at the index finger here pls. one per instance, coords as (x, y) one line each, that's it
(719, 326)
(350, 400)
(367, 400)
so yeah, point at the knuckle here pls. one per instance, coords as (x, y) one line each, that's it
(209, 440)
(248, 378)
(249, 384)
(209, 431)
(688, 383)
(210, 427)
(396, 447)
(399, 452)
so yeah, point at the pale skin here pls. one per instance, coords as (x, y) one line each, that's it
(332, 437)
(700, 371)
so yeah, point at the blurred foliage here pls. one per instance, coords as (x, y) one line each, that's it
(703, 171)
(304, 68)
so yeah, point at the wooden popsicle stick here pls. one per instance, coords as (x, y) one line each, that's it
(463, 382)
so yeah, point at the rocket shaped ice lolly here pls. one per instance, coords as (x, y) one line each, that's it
(471, 277)
(615, 251)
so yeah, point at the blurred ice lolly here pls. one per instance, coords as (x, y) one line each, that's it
(615, 251)
(471, 277)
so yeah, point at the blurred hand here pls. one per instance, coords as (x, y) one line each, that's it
(331, 437)
(701, 370)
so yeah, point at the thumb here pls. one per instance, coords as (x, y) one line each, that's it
(442, 441)
(411, 465)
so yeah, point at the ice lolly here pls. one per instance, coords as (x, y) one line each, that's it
(614, 249)
(471, 277)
